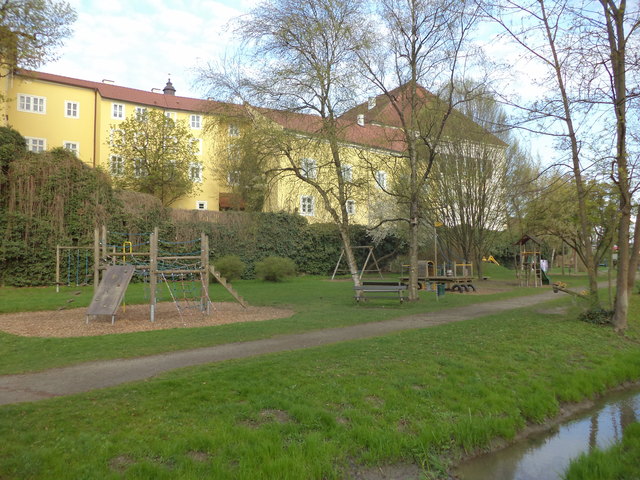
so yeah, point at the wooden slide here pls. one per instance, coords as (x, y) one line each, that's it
(110, 292)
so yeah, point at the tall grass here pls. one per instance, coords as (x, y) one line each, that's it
(620, 462)
(420, 397)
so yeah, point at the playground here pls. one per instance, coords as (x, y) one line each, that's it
(133, 318)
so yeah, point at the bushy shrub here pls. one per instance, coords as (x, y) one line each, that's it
(275, 269)
(230, 267)
(598, 316)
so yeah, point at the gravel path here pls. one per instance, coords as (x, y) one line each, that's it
(94, 375)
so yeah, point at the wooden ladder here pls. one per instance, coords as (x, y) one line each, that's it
(223, 281)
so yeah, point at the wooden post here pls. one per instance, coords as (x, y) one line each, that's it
(435, 254)
(57, 268)
(96, 259)
(153, 273)
(204, 275)
(104, 242)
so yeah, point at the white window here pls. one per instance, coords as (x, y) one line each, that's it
(117, 111)
(307, 206)
(201, 205)
(31, 103)
(196, 122)
(116, 137)
(72, 147)
(116, 165)
(309, 168)
(139, 168)
(71, 109)
(140, 113)
(381, 179)
(347, 173)
(351, 207)
(195, 172)
(171, 115)
(36, 144)
(197, 143)
(233, 178)
(234, 131)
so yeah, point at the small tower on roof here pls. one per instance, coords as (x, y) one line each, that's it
(169, 88)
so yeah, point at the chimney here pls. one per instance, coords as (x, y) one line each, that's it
(361, 120)
(372, 102)
(168, 88)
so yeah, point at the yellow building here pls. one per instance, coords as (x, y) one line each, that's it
(56, 111)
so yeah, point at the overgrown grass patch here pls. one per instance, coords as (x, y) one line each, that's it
(620, 462)
(419, 396)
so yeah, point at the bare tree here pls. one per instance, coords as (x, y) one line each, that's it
(468, 187)
(298, 57)
(621, 27)
(584, 49)
(415, 69)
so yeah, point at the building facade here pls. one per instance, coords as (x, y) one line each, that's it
(79, 115)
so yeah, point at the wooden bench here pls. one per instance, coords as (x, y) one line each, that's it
(371, 289)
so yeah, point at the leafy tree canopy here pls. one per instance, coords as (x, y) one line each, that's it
(31, 31)
(152, 153)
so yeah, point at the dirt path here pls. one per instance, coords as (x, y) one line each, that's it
(94, 375)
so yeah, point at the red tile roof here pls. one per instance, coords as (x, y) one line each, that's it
(132, 95)
(384, 113)
(348, 130)
(381, 129)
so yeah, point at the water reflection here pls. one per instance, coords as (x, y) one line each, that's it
(546, 456)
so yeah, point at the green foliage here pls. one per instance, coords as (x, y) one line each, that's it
(56, 199)
(418, 396)
(32, 31)
(12, 146)
(230, 267)
(158, 155)
(596, 315)
(53, 198)
(618, 462)
(275, 269)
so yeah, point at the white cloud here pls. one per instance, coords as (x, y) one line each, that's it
(138, 44)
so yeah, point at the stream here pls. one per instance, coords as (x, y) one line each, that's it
(545, 456)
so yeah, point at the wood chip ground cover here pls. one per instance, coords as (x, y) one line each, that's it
(133, 318)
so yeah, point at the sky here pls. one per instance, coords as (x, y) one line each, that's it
(141, 43)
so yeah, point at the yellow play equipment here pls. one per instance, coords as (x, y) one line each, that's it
(490, 259)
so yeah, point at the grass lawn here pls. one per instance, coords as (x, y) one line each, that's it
(318, 304)
(620, 462)
(422, 397)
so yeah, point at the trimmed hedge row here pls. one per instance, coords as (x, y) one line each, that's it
(52, 198)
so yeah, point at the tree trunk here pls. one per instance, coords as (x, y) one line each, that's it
(621, 307)
(615, 22)
(351, 259)
(585, 226)
(413, 251)
(634, 258)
